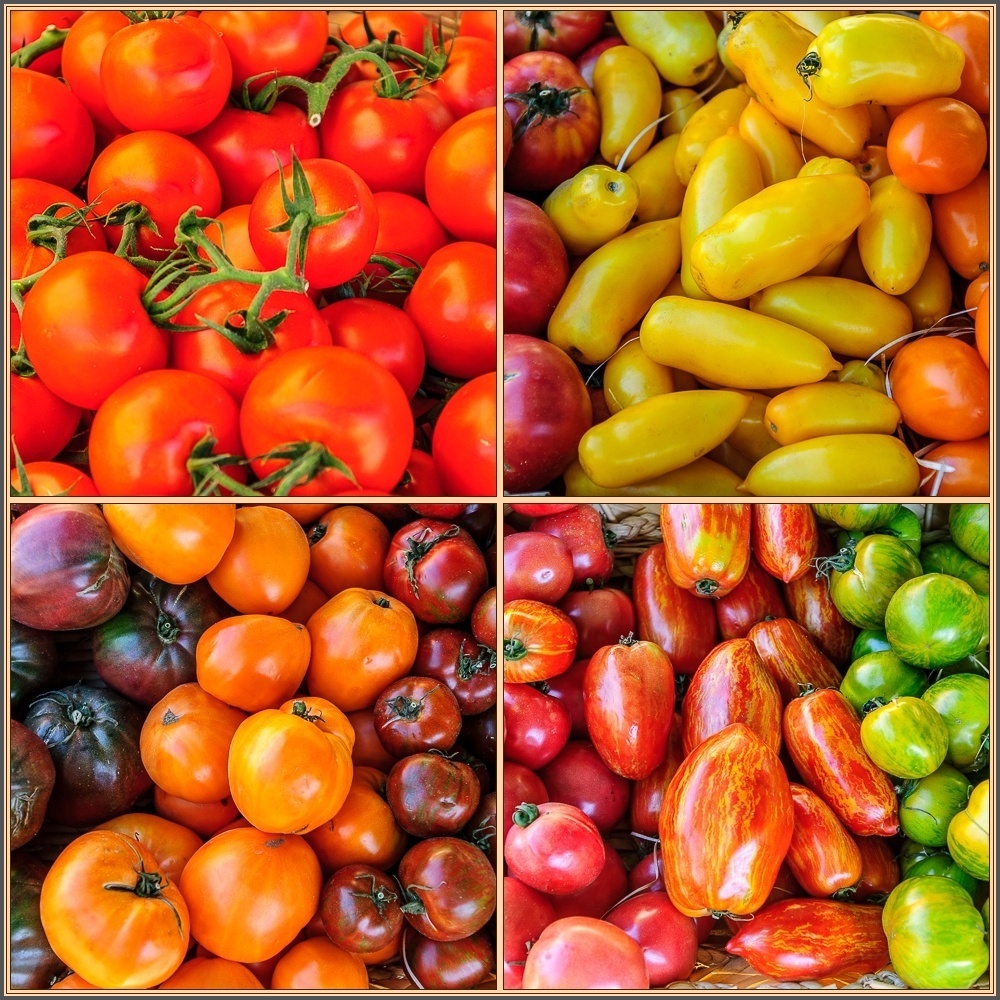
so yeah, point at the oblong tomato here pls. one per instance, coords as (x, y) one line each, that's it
(754, 599)
(707, 546)
(792, 657)
(784, 538)
(822, 856)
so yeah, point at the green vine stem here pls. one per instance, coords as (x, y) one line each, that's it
(49, 40)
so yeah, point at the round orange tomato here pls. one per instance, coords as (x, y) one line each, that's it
(212, 974)
(252, 661)
(318, 964)
(347, 548)
(176, 542)
(974, 291)
(52, 479)
(204, 818)
(362, 640)
(966, 469)
(286, 774)
(111, 916)
(962, 226)
(937, 146)
(311, 598)
(266, 563)
(185, 743)
(170, 843)
(250, 893)
(970, 30)
(942, 388)
(983, 327)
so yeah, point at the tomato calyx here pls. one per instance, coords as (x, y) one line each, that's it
(400, 278)
(809, 65)
(540, 101)
(419, 545)
(414, 904)
(206, 470)
(525, 814)
(306, 460)
(407, 709)
(483, 835)
(382, 602)
(735, 16)
(871, 705)
(706, 588)
(514, 649)
(840, 562)
(483, 662)
(379, 895)
(536, 21)
(49, 40)
(301, 710)
(627, 640)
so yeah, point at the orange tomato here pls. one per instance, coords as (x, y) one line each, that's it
(266, 563)
(170, 843)
(966, 469)
(176, 542)
(212, 974)
(304, 513)
(318, 964)
(362, 640)
(311, 598)
(962, 226)
(983, 327)
(184, 743)
(250, 893)
(347, 548)
(286, 774)
(942, 388)
(368, 750)
(970, 30)
(252, 661)
(73, 981)
(872, 164)
(204, 818)
(978, 285)
(937, 146)
(364, 831)
(130, 938)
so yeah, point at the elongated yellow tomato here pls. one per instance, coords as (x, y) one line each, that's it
(720, 47)
(812, 411)
(815, 20)
(702, 478)
(929, 300)
(726, 176)
(728, 457)
(627, 88)
(839, 465)
(894, 241)
(816, 167)
(677, 107)
(659, 435)
(611, 290)
(750, 438)
(680, 43)
(716, 118)
(851, 318)
(780, 158)
(778, 234)
(882, 57)
(859, 373)
(731, 346)
(630, 376)
(767, 46)
(595, 205)
(661, 192)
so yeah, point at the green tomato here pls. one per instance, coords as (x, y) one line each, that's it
(948, 558)
(934, 620)
(973, 664)
(970, 530)
(945, 866)
(935, 933)
(905, 526)
(928, 805)
(963, 701)
(857, 516)
(906, 738)
(869, 640)
(881, 676)
(984, 639)
(912, 853)
(862, 588)
(986, 913)
(969, 833)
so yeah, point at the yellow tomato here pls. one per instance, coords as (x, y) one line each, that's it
(778, 234)
(720, 47)
(630, 376)
(592, 207)
(894, 240)
(726, 175)
(627, 88)
(852, 319)
(840, 465)
(659, 435)
(681, 43)
(859, 373)
(661, 193)
(750, 438)
(929, 300)
(779, 156)
(677, 107)
(767, 45)
(729, 458)
(815, 20)
(611, 290)
(731, 346)
(819, 165)
(887, 58)
(716, 118)
(702, 478)
(811, 411)
(851, 266)
(969, 833)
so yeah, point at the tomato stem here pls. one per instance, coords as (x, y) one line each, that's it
(419, 545)
(525, 814)
(483, 662)
(540, 101)
(407, 709)
(305, 461)
(514, 649)
(706, 588)
(49, 40)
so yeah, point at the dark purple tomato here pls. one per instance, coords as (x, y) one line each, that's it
(465, 665)
(360, 909)
(33, 963)
(34, 665)
(414, 714)
(479, 736)
(602, 618)
(431, 795)
(450, 965)
(32, 777)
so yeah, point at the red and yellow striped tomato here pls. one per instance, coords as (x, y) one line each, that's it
(784, 538)
(707, 546)
(539, 641)
(822, 856)
(792, 657)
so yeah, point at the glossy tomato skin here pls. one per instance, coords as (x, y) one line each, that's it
(784, 537)
(33, 963)
(538, 641)
(668, 938)
(520, 784)
(432, 796)
(597, 898)
(580, 778)
(451, 965)
(567, 687)
(823, 857)
(707, 546)
(647, 793)
(466, 666)
(32, 775)
(527, 912)
(755, 598)
(711, 860)
(41, 424)
(469, 81)
(536, 567)
(33, 665)
(602, 617)
(567, 32)
(879, 869)
(823, 735)
(792, 657)
(415, 714)
(484, 619)
(583, 531)
(628, 701)
(464, 444)
(536, 726)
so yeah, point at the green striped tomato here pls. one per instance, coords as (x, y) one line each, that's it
(906, 738)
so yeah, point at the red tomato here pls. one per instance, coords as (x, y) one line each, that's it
(536, 566)
(478, 24)
(51, 134)
(580, 778)
(536, 726)
(41, 424)
(568, 32)
(27, 26)
(668, 938)
(420, 477)
(464, 159)
(647, 794)
(165, 173)
(581, 953)
(231, 234)
(582, 529)
(338, 247)
(822, 856)
(81, 63)
(53, 479)
(601, 895)
(970, 30)
(381, 332)
(526, 913)
(784, 538)
(464, 444)
(84, 343)
(602, 617)
(335, 398)
(538, 641)
(469, 81)
(172, 74)
(792, 657)
(148, 435)
(409, 26)
(962, 226)
(541, 509)
(466, 666)
(754, 599)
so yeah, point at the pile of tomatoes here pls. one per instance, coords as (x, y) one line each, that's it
(788, 708)
(273, 765)
(239, 264)
(746, 253)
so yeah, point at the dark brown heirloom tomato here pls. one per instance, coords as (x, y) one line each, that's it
(148, 648)
(480, 521)
(484, 619)
(32, 776)
(430, 795)
(582, 529)
(783, 537)
(467, 667)
(359, 909)
(754, 599)
(93, 737)
(65, 570)
(792, 657)
(436, 570)
(482, 828)
(415, 714)
(823, 857)
(450, 965)
(34, 664)
(479, 736)
(33, 963)
(449, 886)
